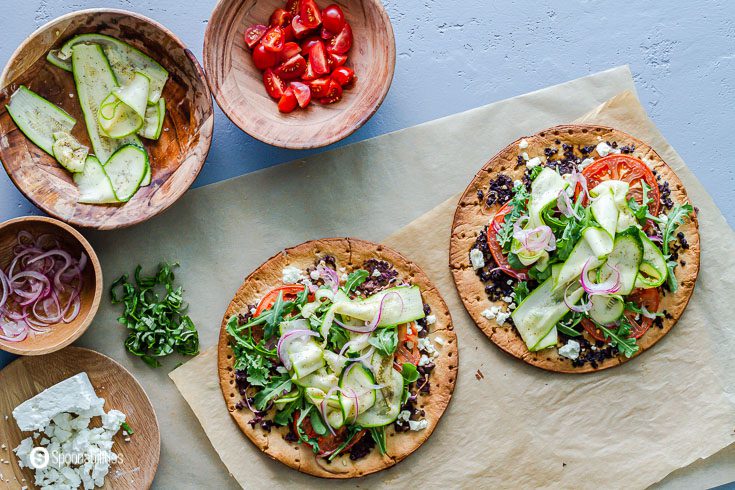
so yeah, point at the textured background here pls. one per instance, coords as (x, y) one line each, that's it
(456, 55)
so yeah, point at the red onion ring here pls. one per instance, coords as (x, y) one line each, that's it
(564, 203)
(582, 308)
(330, 276)
(609, 286)
(287, 338)
(535, 239)
(370, 327)
(646, 313)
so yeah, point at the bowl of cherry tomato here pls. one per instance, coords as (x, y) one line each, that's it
(299, 73)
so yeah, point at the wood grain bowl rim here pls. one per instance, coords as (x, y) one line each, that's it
(16, 348)
(146, 399)
(231, 111)
(205, 139)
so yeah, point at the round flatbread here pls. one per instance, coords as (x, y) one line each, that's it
(473, 215)
(350, 254)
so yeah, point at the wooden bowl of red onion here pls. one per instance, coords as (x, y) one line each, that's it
(50, 285)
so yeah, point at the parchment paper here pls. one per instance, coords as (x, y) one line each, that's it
(371, 189)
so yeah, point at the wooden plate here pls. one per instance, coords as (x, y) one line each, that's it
(28, 376)
(65, 333)
(176, 158)
(238, 85)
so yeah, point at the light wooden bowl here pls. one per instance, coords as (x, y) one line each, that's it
(237, 84)
(61, 334)
(26, 377)
(176, 158)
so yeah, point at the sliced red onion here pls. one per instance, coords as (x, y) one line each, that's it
(646, 313)
(610, 286)
(581, 308)
(655, 238)
(579, 178)
(330, 276)
(565, 205)
(370, 327)
(286, 340)
(323, 409)
(535, 239)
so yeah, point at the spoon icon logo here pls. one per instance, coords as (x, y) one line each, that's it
(39, 458)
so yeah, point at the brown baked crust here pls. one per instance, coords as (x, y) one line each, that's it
(472, 215)
(350, 253)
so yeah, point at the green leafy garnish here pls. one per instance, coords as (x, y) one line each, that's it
(354, 280)
(517, 209)
(409, 373)
(317, 424)
(276, 386)
(353, 431)
(620, 338)
(155, 315)
(385, 341)
(521, 292)
(378, 435)
(285, 415)
(126, 427)
(675, 219)
(640, 211)
(515, 262)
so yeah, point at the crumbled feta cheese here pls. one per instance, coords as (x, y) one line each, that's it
(430, 319)
(603, 149)
(502, 317)
(418, 424)
(533, 162)
(477, 259)
(314, 275)
(424, 360)
(507, 299)
(409, 331)
(291, 275)
(512, 306)
(586, 162)
(570, 349)
(523, 144)
(425, 346)
(509, 282)
(376, 273)
(517, 183)
(496, 313)
(403, 416)
(409, 345)
(343, 278)
(419, 328)
(525, 156)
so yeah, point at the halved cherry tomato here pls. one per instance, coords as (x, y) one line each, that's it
(264, 59)
(299, 29)
(497, 250)
(302, 93)
(649, 298)
(318, 58)
(325, 34)
(328, 442)
(290, 291)
(281, 18)
(274, 84)
(628, 169)
(309, 74)
(343, 75)
(288, 34)
(310, 14)
(342, 42)
(336, 60)
(319, 87)
(333, 93)
(292, 69)
(273, 40)
(289, 51)
(293, 7)
(307, 44)
(288, 101)
(253, 34)
(333, 18)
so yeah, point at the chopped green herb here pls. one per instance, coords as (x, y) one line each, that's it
(521, 292)
(620, 338)
(517, 209)
(385, 340)
(126, 427)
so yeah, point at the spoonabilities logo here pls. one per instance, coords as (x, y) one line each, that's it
(38, 458)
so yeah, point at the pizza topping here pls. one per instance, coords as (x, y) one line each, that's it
(335, 356)
(584, 253)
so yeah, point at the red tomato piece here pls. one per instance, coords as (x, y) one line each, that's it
(288, 101)
(307, 44)
(325, 34)
(342, 42)
(302, 93)
(319, 87)
(318, 58)
(289, 291)
(293, 68)
(253, 34)
(336, 60)
(333, 18)
(333, 93)
(274, 85)
(343, 75)
(288, 34)
(273, 40)
(293, 7)
(310, 14)
(649, 298)
(328, 443)
(299, 29)
(281, 18)
(309, 74)
(497, 250)
(289, 51)
(264, 59)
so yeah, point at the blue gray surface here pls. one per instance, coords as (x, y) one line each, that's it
(456, 55)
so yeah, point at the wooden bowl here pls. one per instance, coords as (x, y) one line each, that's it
(24, 378)
(176, 158)
(61, 334)
(237, 84)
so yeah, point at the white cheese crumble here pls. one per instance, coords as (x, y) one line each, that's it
(586, 162)
(533, 162)
(439, 341)
(496, 313)
(376, 273)
(523, 144)
(403, 416)
(525, 156)
(291, 275)
(418, 424)
(430, 319)
(478, 261)
(343, 277)
(570, 349)
(603, 149)
(314, 275)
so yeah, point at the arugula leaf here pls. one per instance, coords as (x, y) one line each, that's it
(620, 338)
(313, 442)
(675, 219)
(275, 387)
(378, 435)
(409, 373)
(538, 275)
(521, 292)
(571, 320)
(386, 341)
(285, 415)
(257, 367)
(535, 171)
(353, 431)
(154, 314)
(515, 262)
(640, 211)
(317, 424)
(354, 280)
(517, 208)
(338, 337)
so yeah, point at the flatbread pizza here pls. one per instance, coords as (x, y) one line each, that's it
(337, 357)
(575, 249)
